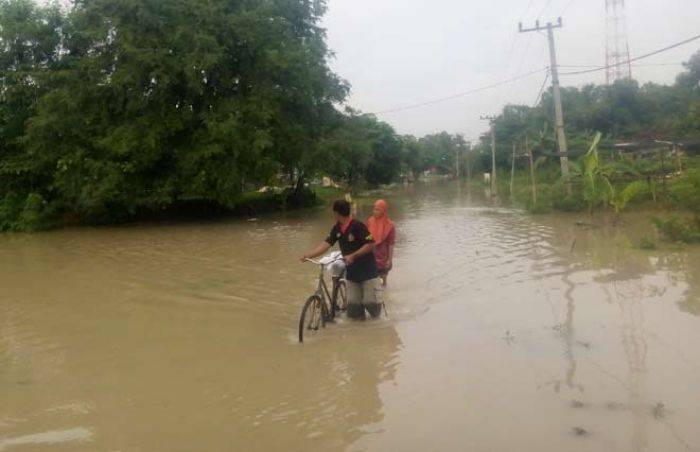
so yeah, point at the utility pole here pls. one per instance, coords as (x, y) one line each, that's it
(494, 186)
(512, 170)
(558, 111)
(469, 161)
(459, 157)
(533, 182)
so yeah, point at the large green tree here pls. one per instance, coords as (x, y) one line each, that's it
(154, 103)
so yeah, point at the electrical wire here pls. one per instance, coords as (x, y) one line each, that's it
(539, 95)
(566, 8)
(462, 94)
(546, 5)
(512, 48)
(634, 65)
(630, 60)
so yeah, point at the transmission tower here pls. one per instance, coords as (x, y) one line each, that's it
(617, 49)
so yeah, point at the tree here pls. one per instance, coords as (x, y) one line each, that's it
(363, 149)
(146, 104)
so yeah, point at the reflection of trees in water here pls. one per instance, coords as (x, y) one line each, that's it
(612, 249)
(567, 333)
(623, 276)
(634, 344)
(628, 277)
(687, 267)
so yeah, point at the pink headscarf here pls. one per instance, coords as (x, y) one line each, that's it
(382, 226)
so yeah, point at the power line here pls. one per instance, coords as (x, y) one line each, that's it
(508, 71)
(566, 8)
(462, 94)
(544, 84)
(630, 60)
(634, 65)
(512, 47)
(546, 5)
(529, 5)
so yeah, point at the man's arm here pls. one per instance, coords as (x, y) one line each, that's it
(366, 249)
(319, 250)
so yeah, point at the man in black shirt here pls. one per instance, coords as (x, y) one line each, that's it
(356, 245)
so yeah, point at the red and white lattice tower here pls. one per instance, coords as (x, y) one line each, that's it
(617, 49)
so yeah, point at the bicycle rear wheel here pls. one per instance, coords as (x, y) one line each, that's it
(313, 316)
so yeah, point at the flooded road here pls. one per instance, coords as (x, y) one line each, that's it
(504, 332)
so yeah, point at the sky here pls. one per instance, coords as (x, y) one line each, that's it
(397, 53)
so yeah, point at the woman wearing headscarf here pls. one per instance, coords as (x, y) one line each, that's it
(384, 235)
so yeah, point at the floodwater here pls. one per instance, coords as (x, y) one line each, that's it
(504, 332)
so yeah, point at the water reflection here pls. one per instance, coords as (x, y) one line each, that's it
(166, 337)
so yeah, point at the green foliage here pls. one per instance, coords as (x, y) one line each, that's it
(647, 243)
(114, 110)
(623, 110)
(110, 110)
(596, 186)
(440, 151)
(620, 198)
(23, 214)
(676, 229)
(685, 192)
(352, 147)
(10, 209)
(256, 203)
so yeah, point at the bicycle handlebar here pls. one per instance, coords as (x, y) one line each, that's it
(317, 262)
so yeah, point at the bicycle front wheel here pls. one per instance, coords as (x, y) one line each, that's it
(313, 316)
(342, 295)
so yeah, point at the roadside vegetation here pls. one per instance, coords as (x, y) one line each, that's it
(630, 146)
(114, 112)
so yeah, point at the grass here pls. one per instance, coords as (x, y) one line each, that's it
(677, 229)
(647, 243)
(328, 194)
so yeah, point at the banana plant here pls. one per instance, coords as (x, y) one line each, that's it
(597, 187)
(620, 198)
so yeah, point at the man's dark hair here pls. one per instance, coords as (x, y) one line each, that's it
(342, 207)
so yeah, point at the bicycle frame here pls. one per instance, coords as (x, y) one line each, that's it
(322, 289)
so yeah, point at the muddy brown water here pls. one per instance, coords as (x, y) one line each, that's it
(500, 335)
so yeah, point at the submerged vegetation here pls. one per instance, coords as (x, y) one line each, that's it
(111, 112)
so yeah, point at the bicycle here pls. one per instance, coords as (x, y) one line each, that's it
(321, 307)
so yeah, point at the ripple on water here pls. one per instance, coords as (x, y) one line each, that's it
(51, 437)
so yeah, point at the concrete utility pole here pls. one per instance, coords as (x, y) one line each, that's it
(494, 186)
(558, 111)
(469, 162)
(533, 182)
(512, 170)
(459, 157)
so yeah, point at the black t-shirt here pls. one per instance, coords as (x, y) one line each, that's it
(355, 237)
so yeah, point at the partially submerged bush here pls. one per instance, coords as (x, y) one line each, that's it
(684, 193)
(26, 214)
(676, 229)
(647, 243)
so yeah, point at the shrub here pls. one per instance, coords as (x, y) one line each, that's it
(23, 214)
(678, 230)
(646, 243)
(685, 192)
(10, 210)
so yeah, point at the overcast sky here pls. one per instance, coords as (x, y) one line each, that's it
(402, 52)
